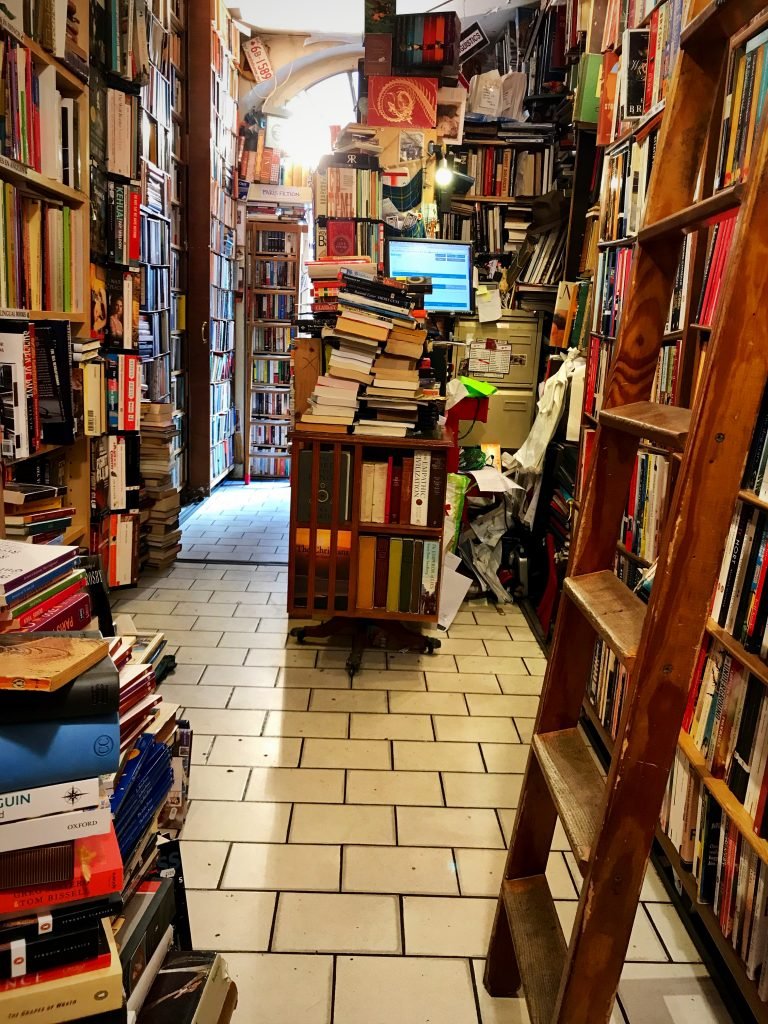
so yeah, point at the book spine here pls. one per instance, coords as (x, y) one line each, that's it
(420, 488)
(430, 572)
(47, 800)
(381, 573)
(436, 500)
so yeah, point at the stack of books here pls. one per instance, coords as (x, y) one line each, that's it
(324, 275)
(160, 439)
(377, 343)
(36, 513)
(60, 865)
(42, 587)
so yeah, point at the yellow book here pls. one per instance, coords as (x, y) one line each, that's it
(33, 228)
(10, 244)
(393, 579)
(733, 122)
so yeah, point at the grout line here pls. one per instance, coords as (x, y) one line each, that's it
(475, 993)
(657, 932)
(333, 989)
(442, 788)
(224, 866)
(401, 911)
(274, 922)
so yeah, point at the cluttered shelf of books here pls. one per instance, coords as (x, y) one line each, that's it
(211, 81)
(712, 826)
(88, 747)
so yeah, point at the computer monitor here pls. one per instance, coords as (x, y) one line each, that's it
(449, 264)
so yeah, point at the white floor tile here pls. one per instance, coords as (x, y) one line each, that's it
(411, 990)
(398, 869)
(343, 823)
(237, 821)
(342, 922)
(281, 989)
(435, 926)
(281, 866)
(230, 920)
(203, 863)
(394, 787)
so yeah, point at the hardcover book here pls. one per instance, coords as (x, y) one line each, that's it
(190, 988)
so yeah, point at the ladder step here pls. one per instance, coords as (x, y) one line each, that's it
(664, 425)
(613, 611)
(539, 942)
(576, 785)
(694, 216)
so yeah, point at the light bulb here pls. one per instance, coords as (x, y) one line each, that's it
(443, 174)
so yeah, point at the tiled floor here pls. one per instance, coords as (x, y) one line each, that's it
(345, 843)
(240, 524)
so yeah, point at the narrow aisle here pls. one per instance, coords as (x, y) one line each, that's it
(240, 524)
(345, 844)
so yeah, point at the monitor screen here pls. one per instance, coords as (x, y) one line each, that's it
(449, 264)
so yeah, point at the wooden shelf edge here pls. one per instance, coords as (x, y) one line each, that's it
(707, 917)
(752, 662)
(753, 499)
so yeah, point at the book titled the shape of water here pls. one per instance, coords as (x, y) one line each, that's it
(42, 753)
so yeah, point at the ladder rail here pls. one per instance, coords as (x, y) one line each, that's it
(627, 816)
(691, 549)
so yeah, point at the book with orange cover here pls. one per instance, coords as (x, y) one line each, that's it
(46, 663)
(98, 871)
(366, 571)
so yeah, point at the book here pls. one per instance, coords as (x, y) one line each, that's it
(53, 828)
(190, 988)
(381, 573)
(41, 753)
(46, 663)
(22, 565)
(76, 990)
(323, 498)
(366, 572)
(394, 572)
(97, 872)
(420, 488)
(46, 800)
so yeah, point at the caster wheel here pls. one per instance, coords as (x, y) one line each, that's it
(432, 645)
(299, 633)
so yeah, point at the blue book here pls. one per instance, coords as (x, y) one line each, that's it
(43, 753)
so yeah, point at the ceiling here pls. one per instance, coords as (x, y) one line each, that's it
(344, 16)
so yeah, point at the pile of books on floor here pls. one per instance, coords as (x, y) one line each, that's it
(377, 343)
(160, 533)
(92, 763)
(43, 588)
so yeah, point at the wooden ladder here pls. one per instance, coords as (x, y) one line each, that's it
(610, 824)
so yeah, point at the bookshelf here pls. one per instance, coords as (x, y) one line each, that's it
(272, 289)
(49, 190)
(212, 84)
(329, 532)
(707, 225)
(348, 206)
(179, 253)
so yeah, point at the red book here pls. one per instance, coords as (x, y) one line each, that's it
(388, 96)
(395, 495)
(693, 692)
(47, 606)
(134, 226)
(405, 491)
(381, 573)
(388, 491)
(760, 811)
(130, 386)
(72, 614)
(98, 872)
(341, 238)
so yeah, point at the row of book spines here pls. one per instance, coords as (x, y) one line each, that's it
(39, 244)
(729, 874)
(743, 109)
(398, 574)
(405, 492)
(714, 268)
(740, 603)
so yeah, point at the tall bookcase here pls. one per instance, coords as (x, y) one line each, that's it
(179, 256)
(272, 286)
(213, 44)
(66, 465)
(699, 790)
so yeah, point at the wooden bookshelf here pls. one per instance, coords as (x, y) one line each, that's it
(313, 575)
(269, 342)
(212, 86)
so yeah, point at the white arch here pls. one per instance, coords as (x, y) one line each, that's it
(300, 74)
